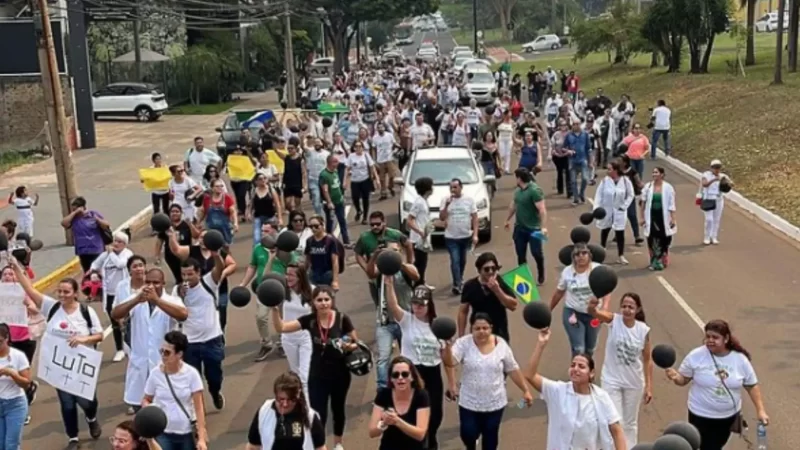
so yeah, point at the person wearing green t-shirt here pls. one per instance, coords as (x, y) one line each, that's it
(531, 215)
(332, 195)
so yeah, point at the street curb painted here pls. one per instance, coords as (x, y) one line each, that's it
(135, 223)
(759, 212)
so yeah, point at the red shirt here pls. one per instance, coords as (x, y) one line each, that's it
(516, 109)
(226, 203)
(572, 84)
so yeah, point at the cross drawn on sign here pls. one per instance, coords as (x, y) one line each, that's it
(68, 364)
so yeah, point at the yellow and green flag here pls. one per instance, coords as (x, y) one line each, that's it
(521, 282)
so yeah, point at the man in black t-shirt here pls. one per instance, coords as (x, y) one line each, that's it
(487, 294)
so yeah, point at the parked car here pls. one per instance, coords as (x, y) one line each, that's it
(478, 83)
(459, 48)
(769, 23)
(231, 131)
(543, 42)
(141, 100)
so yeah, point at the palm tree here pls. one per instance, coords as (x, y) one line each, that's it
(750, 56)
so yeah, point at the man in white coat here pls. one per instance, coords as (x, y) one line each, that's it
(151, 313)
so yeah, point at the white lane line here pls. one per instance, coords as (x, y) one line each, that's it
(681, 302)
(107, 331)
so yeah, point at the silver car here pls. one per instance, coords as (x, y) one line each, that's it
(478, 85)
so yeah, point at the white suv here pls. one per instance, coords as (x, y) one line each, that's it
(141, 100)
(543, 42)
(442, 164)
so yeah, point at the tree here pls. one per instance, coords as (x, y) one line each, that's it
(663, 30)
(504, 9)
(750, 56)
(778, 79)
(794, 22)
(618, 32)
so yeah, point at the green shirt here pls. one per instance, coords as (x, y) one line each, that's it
(334, 185)
(259, 259)
(368, 241)
(525, 201)
(279, 267)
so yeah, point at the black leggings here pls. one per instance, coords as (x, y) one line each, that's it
(86, 261)
(115, 328)
(562, 175)
(421, 263)
(333, 387)
(714, 433)
(160, 203)
(360, 191)
(240, 190)
(619, 236)
(432, 376)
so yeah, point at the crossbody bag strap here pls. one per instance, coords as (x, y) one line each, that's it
(177, 400)
(722, 380)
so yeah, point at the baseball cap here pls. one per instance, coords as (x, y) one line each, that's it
(422, 294)
(716, 162)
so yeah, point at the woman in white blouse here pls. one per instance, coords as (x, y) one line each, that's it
(15, 377)
(614, 194)
(505, 140)
(718, 372)
(573, 286)
(112, 265)
(176, 388)
(658, 218)
(297, 345)
(462, 136)
(485, 360)
(712, 200)
(580, 415)
(627, 374)
(362, 177)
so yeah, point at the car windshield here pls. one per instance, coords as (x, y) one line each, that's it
(323, 83)
(231, 123)
(442, 171)
(481, 77)
(460, 61)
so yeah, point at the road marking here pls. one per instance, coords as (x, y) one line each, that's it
(681, 302)
(107, 331)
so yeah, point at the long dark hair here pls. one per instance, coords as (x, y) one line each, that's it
(302, 282)
(416, 378)
(291, 384)
(5, 332)
(722, 328)
(638, 300)
(129, 427)
(319, 290)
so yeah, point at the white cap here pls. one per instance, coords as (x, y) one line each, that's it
(715, 162)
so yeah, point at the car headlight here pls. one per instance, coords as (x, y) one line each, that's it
(407, 205)
(483, 204)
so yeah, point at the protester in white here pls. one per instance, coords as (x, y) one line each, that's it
(176, 388)
(297, 345)
(421, 133)
(112, 265)
(149, 313)
(15, 378)
(462, 134)
(460, 214)
(384, 144)
(419, 225)
(661, 118)
(197, 158)
(505, 140)
(713, 200)
(24, 204)
(179, 186)
(474, 115)
(580, 415)
(659, 223)
(627, 374)
(614, 194)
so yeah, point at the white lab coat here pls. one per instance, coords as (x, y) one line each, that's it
(147, 333)
(113, 267)
(667, 201)
(615, 199)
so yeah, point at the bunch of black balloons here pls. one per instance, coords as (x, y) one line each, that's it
(676, 436)
(602, 280)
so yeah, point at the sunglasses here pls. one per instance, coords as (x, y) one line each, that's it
(315, 226)
(491, 269)
(299, 220)
(403, 374)
(583, 252)
(165, 352)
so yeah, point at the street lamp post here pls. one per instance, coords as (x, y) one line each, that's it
(475, 25)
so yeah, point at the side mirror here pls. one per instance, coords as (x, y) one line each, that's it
(218, 129)
(398, 181)
(489, 178)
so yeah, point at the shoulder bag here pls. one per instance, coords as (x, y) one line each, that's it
(739, 425)
(192, 422)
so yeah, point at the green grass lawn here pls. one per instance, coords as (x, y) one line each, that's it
(492, 37)
(744, 121)
(204, 109)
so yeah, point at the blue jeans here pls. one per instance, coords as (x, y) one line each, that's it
(582, 336)
(457, 249)
(207, 358)
(654, 142)
(638, 166)
(579, 169)
(170, 441)
(484, 425)
(633, 219)
(69, 411)
(523, 239)
(316, 196)
(222, 309)
(384, 337)
(338, 212)
(320, 279)
(257, 222)
(13, 412)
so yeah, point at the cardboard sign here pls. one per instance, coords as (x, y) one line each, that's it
(71, 369)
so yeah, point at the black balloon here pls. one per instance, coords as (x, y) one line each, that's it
(686, 431)
(326, 122)
(598, 253)
(281, 279)
(565, 255)
(537, 315)
(160, 222)
(389, 262)
(25, 237)
(443, 328)
(671, 442)
(36, 245)
(150, 422)
(725, 186)
(580, 235)
(268, 241)
(271, 293)
(664, 356)
(489, 110)
(239, 296)
(586, 218)
(3, 241)
(622, 149)
(213, 240)
(643, 446)
(288, 241)
(284, 105)
(599, 213)
(602, 281)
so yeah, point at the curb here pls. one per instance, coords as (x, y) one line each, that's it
(135, 223)
(759, 212)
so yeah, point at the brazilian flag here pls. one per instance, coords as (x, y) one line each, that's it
(521, 282)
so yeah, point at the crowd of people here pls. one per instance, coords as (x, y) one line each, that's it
(173, 334)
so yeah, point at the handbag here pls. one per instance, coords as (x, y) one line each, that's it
(739, 425)
(193, 423)
(708, 204)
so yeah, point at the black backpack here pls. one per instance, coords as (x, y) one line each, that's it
(84, 313)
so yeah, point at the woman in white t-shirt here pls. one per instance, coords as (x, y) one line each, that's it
(712, 200)
(362, 178)
(485, 360)
(77, 324)
(627, 373)
(176, 388)
(24, 203)
(183, 190)
(580, 415)
(505, 140)
(297, 345)
(420, 226)
(718, 371)
(462, 136)
(15, 377)
(573, 286)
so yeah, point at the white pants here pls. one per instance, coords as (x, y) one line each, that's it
(504, 147)
(712, 220)
(297, 347)
(627, 402)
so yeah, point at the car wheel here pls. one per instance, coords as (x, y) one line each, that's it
(485, 235)
(528, 50)
(143, 114)
(554, 47)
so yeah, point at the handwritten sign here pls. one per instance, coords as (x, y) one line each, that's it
(71, 369)
(12, 305)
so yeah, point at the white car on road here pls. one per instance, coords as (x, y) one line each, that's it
(143, 101)
(769, 23)
(543, 42)
(442, 164)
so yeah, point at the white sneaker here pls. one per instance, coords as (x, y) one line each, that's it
(706, 241)
(623, 261)
(338, 447)
(714, 241)
(119, 356)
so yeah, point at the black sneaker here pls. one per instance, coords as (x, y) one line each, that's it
(639, 241)
(219, 400)
(263, 353)
(94, 428)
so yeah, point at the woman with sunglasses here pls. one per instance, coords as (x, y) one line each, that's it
(297, 345)
(322, 255)
(219, 212)
(210, 176)
(574, 287)
(400, 415)
(332, 334)
(422, 349)
(486, 360)
(176, 388)
(182, 190)
(127, 438)
(286, 422)
(15, 378)
(299, 225)
(265, 205)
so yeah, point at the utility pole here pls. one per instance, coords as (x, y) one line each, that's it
(291, 92)
(553, 18)
(475, 25)
(137, 47)
(54, 104)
